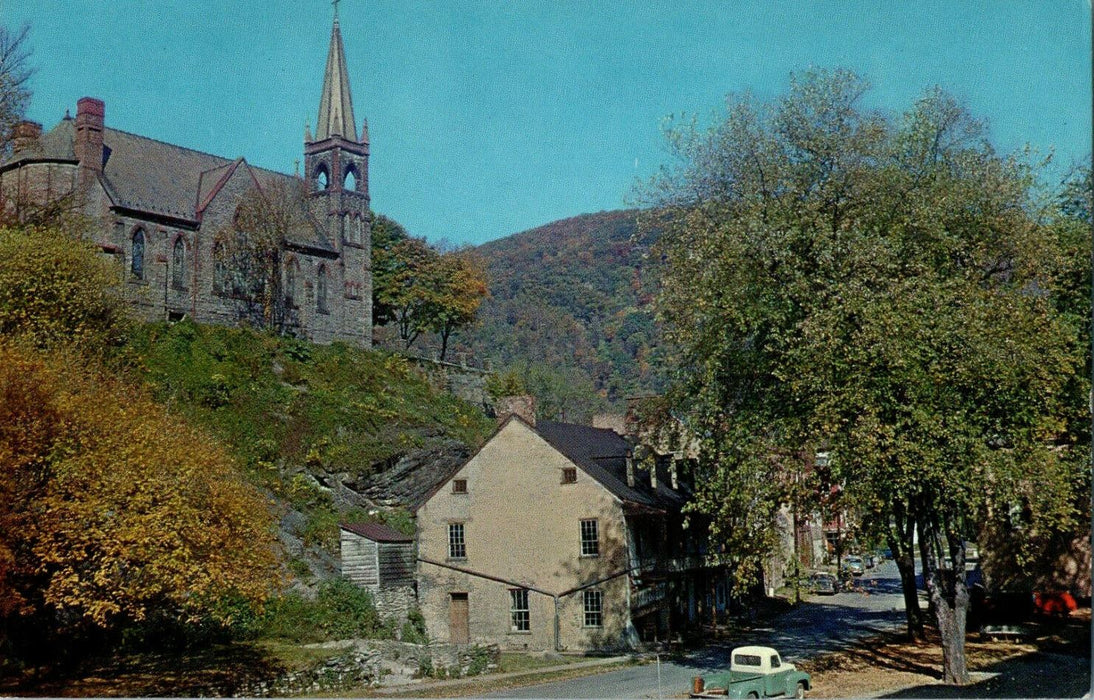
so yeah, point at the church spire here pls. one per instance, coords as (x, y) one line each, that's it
(335, 104)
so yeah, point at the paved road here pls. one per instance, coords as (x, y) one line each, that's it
(821, 623)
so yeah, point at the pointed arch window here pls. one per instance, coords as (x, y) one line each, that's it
(347, 229)
(321, 290)
(350, 181)
(178, 264)
(322, 177)
(136, 261)
(291, 270)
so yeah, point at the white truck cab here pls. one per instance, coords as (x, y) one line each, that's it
(763, 660)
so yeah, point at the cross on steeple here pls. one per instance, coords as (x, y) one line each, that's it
(335, 3)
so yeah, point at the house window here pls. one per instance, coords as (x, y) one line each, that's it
(136, 263)
(594, 608)
(518, 610)
(569, 475)
(459, 486)
(178, 264)
(457, 546)
(590, 538)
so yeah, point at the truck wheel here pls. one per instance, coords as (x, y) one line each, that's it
(799, 691)
(754, 695)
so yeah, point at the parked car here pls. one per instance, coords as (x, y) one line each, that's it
(824, 582)
(754, 672)
(855, 565)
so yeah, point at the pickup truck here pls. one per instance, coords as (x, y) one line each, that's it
(754, 672)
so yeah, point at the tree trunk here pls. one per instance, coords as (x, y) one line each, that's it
(445, 332)
(951, 627)
(905, 563)
(949, 598)
(901, 541)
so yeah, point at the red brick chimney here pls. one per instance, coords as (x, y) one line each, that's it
(89, 133)
(24, 135)
(523, 406)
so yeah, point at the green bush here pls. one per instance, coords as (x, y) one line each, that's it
(413, 631)
(341, 610)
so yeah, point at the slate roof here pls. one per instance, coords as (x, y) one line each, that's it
(602, 453)
(158, 178)
(376, 532)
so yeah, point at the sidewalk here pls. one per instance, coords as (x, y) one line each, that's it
(492, 677)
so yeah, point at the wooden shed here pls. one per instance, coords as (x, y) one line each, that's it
(377, 557)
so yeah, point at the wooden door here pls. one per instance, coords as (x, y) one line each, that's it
(459, 631)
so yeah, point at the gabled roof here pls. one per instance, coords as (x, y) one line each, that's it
(602, 453)
(376, 532)
(157, 178)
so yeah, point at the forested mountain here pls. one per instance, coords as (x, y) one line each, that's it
(570, 314)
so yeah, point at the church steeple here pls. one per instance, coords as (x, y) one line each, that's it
(336, 104)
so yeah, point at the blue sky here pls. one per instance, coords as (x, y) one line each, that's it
(490, 117)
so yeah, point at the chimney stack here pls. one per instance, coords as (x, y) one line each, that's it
(630, 471)
(89, 133)
(24, 135)
(523, 406)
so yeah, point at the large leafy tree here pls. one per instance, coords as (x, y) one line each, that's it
(112, 511)
(457, 282)
(885, 289)
(420, 289)
(56, 289)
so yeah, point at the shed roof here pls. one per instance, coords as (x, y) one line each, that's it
(376, 532)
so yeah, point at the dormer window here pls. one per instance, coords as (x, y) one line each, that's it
(569, 475)
(459, 486)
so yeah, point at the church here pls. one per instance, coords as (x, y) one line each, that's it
(167, 214)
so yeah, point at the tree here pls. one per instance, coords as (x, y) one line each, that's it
(420, 289)
(405, 295)
(385, 234)
(112, 510)
(457, 280)
(15, 76)
(249, 255)
(878, 287)
(56, 289)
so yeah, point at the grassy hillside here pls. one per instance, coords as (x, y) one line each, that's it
(570, 311)
(304, 420)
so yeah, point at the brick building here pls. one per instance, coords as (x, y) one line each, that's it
(166, 214)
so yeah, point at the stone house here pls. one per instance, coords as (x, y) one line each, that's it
(381, 560)
(553, 537)
(166, 213)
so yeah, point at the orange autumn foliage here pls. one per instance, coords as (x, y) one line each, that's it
(111, 508)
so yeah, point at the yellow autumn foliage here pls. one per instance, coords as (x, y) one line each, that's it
(56, 288)
(111, 508)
